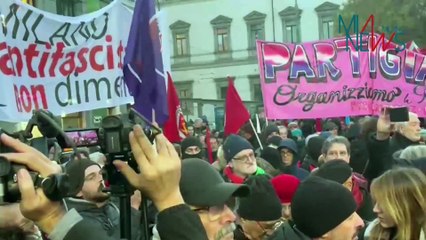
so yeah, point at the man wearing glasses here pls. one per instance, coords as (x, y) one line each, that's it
(241, 160)
(260, 213)
(207, 194)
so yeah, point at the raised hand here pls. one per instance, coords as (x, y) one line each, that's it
(384, 126)
(34, 204)
(160, 169)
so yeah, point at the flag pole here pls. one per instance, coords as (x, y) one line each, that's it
(255, 133)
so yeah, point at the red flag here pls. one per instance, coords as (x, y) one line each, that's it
(236, 114)
(209, 146)
(175, 128)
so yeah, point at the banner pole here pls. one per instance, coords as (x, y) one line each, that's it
(255, 133)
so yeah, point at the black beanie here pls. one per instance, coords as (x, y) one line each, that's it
(274, 140)
(335, 170)
(262, 204)
(272, 156)
(75, 170)
(320, 205)
(189, 142)
(233, 145)
(271, 128)
(314, 147)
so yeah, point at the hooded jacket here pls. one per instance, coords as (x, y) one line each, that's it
(107, 217)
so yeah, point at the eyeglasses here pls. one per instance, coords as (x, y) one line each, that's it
(246, 158)
(267, 231)
(285, 152)
(215, 212)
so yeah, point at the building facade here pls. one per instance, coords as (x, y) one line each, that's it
(213, 39)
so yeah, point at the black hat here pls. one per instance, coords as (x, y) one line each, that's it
(320, 205)
(233, 145)
(290, 144)
(262, 204)
(75, 169)
(335, 170)
(274, 140)
(202, 186)
(314, 146)
(271, 128)
(272, 156)
(191, 141)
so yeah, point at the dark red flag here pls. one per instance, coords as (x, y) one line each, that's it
(209, 146)
(236, 114)
(175, 127)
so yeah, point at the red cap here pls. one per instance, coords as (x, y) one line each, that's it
(285, 186)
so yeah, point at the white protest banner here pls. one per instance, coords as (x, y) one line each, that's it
(62, 64)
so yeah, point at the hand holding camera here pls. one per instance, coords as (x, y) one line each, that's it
(34, 204)
(159, 169)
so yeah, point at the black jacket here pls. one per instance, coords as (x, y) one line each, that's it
(381, 154)
(175, 223)
(106, 217)
(399, 142)
(291, 233)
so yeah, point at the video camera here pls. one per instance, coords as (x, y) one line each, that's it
(55, 186)
(113, 139)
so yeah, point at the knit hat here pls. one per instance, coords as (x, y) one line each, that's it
(75, 170)
(285, 186)
(334, 170)
(293, 124)
(320, 205)
(202, 186)
(270, 129)
(274, 140)
(262, 204)
(233, 145)
(189, 142)
(314, 146)
(272, 156)
(290, 144)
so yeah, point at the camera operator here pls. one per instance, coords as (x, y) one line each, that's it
(89, 200)
(158, 180)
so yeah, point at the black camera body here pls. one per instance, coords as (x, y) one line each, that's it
(55, 186)
(114, 142)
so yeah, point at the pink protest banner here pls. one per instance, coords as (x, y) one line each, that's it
(325, 79)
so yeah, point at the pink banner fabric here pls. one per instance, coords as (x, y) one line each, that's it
(330, 78)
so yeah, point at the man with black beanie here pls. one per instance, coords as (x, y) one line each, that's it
(86, 185)
(260, 212)
(192, 147)
(323, 209)
(239, 154)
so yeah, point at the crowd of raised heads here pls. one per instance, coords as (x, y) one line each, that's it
(380, 166)
(288, 180)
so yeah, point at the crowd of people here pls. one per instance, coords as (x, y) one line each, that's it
(363, 180)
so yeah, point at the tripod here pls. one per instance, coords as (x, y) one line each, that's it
(123, 191)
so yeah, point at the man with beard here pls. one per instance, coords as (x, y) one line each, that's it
(86, 185)
(242, 163)
(214, 200)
